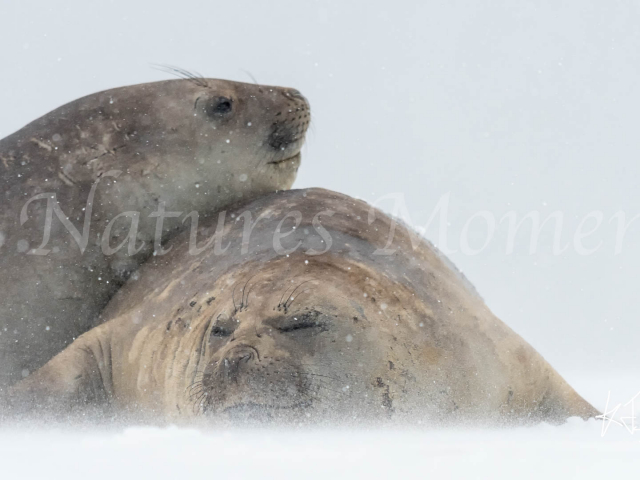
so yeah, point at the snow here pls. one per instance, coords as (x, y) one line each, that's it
(576, 449)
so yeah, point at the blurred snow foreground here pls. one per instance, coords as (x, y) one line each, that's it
(574, 450)
(577, 449)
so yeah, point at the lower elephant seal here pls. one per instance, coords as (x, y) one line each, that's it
(107, 163)
(294, 315)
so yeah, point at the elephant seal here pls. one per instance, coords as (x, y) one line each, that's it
(114, 169)
(310, 307)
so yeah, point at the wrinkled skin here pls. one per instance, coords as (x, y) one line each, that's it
(189, 145)
(330, 332)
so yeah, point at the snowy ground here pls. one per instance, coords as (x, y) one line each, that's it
(575, 450)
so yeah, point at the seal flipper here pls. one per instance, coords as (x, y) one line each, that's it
(74, 381)
(561, 401)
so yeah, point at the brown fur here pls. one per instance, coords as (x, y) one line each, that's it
(384, 338)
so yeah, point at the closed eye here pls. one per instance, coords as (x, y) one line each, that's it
(300, 325)
(313, 321)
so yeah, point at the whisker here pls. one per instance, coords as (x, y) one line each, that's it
(245, 301)
(293, 298)
(194, 77)
(294, 291)
(197, 384)
(250, 75)
(284, 293)
(196, 393)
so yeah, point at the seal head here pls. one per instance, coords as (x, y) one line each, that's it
(92, 189)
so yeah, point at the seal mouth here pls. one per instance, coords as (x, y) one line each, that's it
(295, 159)
(263, 413)
(251, 407)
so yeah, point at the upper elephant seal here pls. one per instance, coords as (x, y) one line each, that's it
(78, 181)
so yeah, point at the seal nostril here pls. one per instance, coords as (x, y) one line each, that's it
(237, 360)
(295, 93)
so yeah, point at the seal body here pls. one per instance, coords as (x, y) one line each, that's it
(303, 306)
(91, 189)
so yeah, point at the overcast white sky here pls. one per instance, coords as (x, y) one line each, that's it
(503, 105)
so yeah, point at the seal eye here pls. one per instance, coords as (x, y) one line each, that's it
(299, 325)
(219, 107)
(311, 322)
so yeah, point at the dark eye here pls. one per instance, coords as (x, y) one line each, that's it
(219, 107)
(218, 331)
(313, 322)
(298, 326)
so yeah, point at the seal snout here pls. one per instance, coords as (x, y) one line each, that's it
(237, 358)
(291, 120)
(282, 136)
